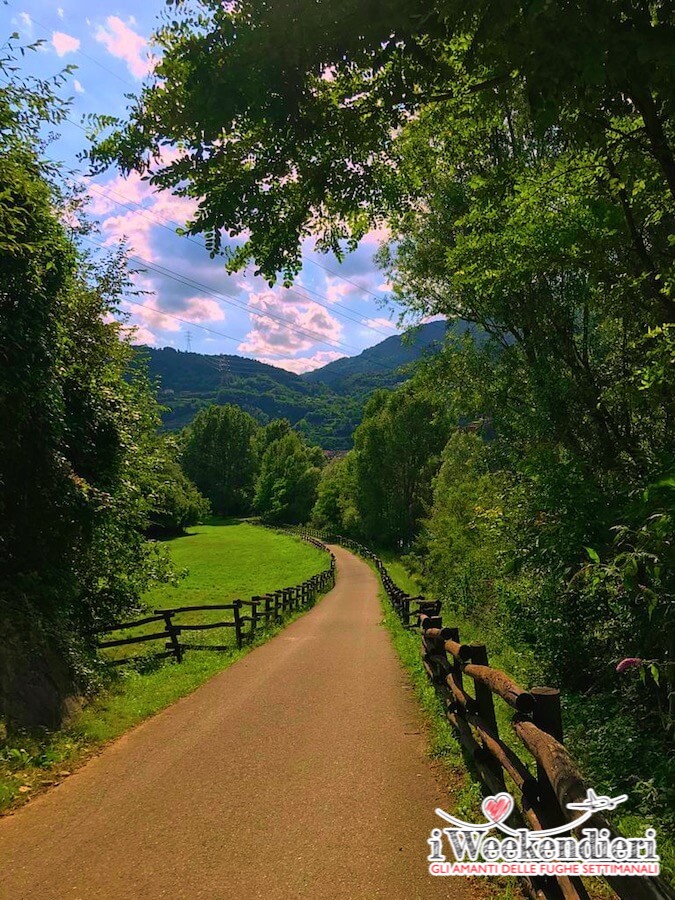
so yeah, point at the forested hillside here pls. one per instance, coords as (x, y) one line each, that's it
(325, 405)
(377, 364)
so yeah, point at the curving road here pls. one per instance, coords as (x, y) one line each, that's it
(297, 772)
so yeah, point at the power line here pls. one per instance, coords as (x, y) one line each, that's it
(342, 277)
(48, 28)
(224, 366)
(130, 84)
(231, 300)
(134, 206)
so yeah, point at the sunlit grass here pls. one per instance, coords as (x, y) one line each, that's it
(224, 562)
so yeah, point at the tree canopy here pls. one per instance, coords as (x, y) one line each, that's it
(287, 118)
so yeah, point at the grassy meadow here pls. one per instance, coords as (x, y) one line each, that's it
(222, 562)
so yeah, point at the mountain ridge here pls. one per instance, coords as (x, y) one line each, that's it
(325, 404)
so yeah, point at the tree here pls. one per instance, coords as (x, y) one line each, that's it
(286, 486)
(335, 508)
(218, 454)
(77, 421)
(173, 502)
(396, 452)
(288, 116)
(269, 433)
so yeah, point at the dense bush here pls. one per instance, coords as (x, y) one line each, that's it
(78, 427)
(288, 479)
(173, 502)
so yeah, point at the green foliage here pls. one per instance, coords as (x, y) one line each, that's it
(77, 436)
(335, 509)
(219, 455)
(396, 453)
(173, 502)
(77, 415)
(289, 118)
(463, 538)
(288, 479)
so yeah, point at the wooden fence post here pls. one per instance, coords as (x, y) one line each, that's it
(453, 634)
(173, 632)
(486, 711)
(237, 622)
(254, 617)
(547, 716)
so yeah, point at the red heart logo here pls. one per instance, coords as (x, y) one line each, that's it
(498, 808)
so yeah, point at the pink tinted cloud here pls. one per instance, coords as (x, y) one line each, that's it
(193, 309)
(359, 286)
(152, 209)
(310, 324)
(377, 236)
(303, 363)
(124, 43)
(139, 334)
(64, 43)
(338, 291)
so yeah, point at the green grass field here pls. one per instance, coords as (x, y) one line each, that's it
(225, 561)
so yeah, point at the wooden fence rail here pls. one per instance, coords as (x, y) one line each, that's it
(541, 796)
(248, 616)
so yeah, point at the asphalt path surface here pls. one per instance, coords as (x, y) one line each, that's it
(299, 771)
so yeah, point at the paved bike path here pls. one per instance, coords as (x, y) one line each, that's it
(297, 772)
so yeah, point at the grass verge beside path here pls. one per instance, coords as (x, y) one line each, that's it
(520, 665)
(224, 561)
(464, 792)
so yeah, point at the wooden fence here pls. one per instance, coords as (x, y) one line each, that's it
(541, 795)
(249, 617)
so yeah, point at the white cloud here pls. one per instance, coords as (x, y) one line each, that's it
(124, 43)
(64, 43)
(59, 12)
(380, 322)
(192, 309)
(155, 208)
(303, 363)
(24, 22)
(309, 324)
(139, 334)
(78, 87)
(377, 236)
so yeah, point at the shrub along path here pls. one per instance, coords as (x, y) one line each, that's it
(298, 772)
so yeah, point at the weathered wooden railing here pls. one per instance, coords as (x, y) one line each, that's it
(248, 618)
(542, 796)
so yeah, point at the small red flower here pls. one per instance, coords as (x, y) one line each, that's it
(632, 662)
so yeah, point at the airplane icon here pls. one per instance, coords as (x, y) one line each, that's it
(594, 803)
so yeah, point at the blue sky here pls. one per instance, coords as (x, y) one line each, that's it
(331, 311)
